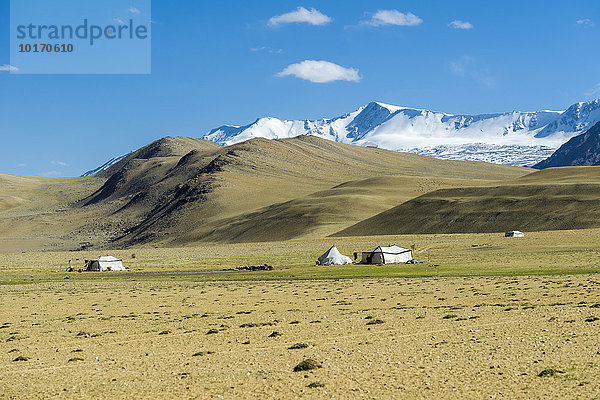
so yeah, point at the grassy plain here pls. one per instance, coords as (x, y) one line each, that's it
(482, 317)
(463, 337)
(491, 254)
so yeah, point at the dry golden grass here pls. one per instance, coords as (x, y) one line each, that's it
(570, 175)
(471, 337)
(431, 330)
(34, 212)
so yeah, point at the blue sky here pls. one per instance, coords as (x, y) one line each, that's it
(221, 62)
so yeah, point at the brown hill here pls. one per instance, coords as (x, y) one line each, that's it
(182, 190)
(279, 189)
(556, 198)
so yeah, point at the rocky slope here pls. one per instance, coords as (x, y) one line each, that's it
(582, 150)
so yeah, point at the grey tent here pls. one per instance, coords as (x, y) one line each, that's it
(386, 255)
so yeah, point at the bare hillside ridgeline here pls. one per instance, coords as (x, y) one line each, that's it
(180, 190)
(553, 199)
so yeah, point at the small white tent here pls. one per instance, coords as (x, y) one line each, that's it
(334, 257)
(106, 263)
(386, 255)
(514, 234)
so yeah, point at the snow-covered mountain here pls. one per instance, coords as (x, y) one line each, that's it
(516, 138)
(106, 165)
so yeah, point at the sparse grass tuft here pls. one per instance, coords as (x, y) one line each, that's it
(202, 353)
(255, 324)
(299, 345)
(550, 372)
(307, 365)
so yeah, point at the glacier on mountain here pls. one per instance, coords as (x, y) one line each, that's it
(498, 154)
(515, 138)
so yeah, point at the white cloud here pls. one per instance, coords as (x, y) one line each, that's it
(585, 22)
(301, 15)
(468, 67)
(22, 165)
(61, 163)
(458, 24)
(8, 68)
(119, 20)
(321, 72)
(267, 49)
(133, 10)
(459, 67)
(594, 91)
(393, 17)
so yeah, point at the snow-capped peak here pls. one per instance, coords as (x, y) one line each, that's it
(390, 107)
(402, 128)
(106, 165)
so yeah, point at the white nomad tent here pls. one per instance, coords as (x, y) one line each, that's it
(514, 234)
(386, 255)
(333, 257)
(106, 263)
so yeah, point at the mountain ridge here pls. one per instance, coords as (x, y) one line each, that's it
(104, 166)
(582, 150)
(426, 132)
(180, 191)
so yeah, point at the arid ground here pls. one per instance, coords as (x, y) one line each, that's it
(478, 337)
(483, 317)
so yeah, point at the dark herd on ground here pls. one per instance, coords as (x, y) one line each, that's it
(309, 364)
